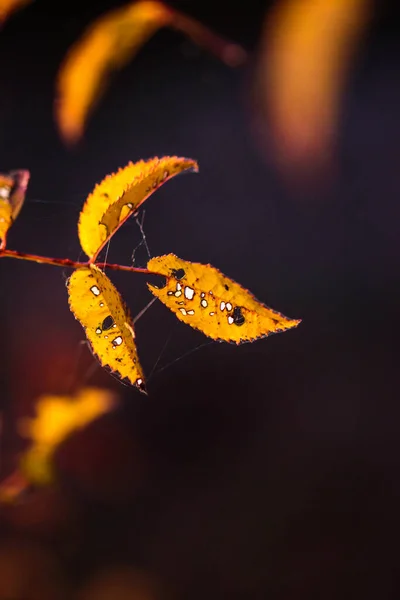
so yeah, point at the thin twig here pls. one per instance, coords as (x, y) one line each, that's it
(67, 262)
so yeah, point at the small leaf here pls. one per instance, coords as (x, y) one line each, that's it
(12, 195)
(205, 299)
(57, 418)
(108, 44)
(121, 194)
(8, 7)
(98, 307)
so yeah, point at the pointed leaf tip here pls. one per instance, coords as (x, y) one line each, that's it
(204, 298)
(121, 194)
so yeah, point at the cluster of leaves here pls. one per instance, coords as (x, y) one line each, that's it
(199, 295)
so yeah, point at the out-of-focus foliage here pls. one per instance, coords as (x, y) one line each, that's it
(8, 7)
(306, 52)
(57, 417)
(120, 195)
(202, 297)
(12, 195)
(109, 44)
(99, 308)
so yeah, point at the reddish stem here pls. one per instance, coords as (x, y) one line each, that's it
(229, 53)
(67, 262)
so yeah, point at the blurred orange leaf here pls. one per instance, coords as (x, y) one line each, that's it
(99, 308)
(108, 44)
(57, 417)
(202, 297)
(306, 50)
(7, 7)
(120, 195)
(12, 195)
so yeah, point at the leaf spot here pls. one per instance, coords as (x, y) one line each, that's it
(204, 303)
(107, 323)
(238, 317)
(222, 305)
(228, 306)
(189, 292)
(95, 290)
(117, 341)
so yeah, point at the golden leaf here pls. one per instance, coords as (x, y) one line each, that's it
(108, 44)
(57, 418)
(205, 299)
(98, 307)
(120, 194)
(7, 7)
(12, 195)
(306, 52)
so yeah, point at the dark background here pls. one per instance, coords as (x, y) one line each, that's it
(269, 470)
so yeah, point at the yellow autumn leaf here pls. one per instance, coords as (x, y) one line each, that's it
(99, 308)
(108, 44)
(120, 194)
(57, 417)
(7, 7)
(205, 299)
(12, 195)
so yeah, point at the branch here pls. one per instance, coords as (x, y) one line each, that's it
(67, 262)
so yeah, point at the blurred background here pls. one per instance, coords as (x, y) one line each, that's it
(269, 470)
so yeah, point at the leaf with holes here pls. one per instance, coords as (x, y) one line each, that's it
(99, 308)
(108, 44)
(120, 195)
(12, 195)
(57, 417)
(205, 299)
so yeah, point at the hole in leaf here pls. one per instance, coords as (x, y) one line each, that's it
(178, 273)
(107, 323)
(237, 315)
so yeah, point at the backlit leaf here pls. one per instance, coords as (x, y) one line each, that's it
(98, 307)
(306, 52)
(205, 299)
(57, 417)
(7, 7)
(121, 194)
(108, 44)
(12, 195)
